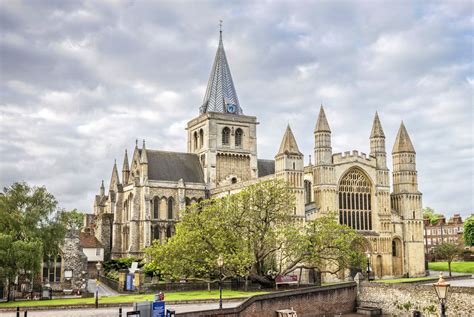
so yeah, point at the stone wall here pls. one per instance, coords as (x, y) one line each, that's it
(73, 260)
(402, 299)
(307, 302)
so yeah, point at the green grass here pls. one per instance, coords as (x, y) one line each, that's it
(178, 296)
(459, 267)
(405, 280)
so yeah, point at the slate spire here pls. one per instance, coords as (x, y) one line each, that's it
(403, 142)
(220, 93)
(288, 144)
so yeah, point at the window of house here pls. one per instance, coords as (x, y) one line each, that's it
(97, 251)
(225, 136)
(238, 137)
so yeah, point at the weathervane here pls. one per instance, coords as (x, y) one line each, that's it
(220, 26)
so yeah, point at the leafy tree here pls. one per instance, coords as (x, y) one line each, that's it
(469, 231)
(430, 213)
(31, 229)
(72, 219)
(258, 236)
(448, 252)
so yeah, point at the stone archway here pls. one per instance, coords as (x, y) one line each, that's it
(397, 258)
(378, 266)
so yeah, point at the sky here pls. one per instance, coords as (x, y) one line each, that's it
(80, 81)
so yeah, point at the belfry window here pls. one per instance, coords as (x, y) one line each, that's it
(170, 208)
(201, 138)
(156, 206)
(354, 201)
(195, 140)
(225, 136)
(238, 137)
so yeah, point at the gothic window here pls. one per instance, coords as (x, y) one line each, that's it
(195, 136)
(238, 137)
(52, 268)
(125, 211)
(188, 201)
(168, 232)
(307, 188)
(354, 201)
(394, 248)
(156, 205)
(156, 233)
(170, 208)
(225, 136)
(201, 138)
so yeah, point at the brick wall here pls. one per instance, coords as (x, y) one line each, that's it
(307, 302)
(402, 299)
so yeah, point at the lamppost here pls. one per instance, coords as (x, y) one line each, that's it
(220, 264)
(98, 266)
(368, 264)
(441, 288)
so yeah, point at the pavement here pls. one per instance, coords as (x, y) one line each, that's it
(114, 311)
(104, 290)
(467, 282)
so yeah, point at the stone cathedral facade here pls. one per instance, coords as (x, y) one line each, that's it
(144, 203)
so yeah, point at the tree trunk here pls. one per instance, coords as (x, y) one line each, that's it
(449, 268)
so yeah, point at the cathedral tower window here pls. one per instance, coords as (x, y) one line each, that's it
(169, 233)
(225, 136)
(354, 200)
(238, 137)
(195, 140)
(307, 188)
(170, 208)
(156, 205)
(156, 233)
(201, 138)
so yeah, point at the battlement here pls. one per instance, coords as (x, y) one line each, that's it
(354, 156)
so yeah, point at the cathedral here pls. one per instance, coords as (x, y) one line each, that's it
(221, 158)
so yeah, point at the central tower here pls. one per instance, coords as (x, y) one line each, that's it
(222, 136)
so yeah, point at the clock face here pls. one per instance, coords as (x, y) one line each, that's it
(231, 108)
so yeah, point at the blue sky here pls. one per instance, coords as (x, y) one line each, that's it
(80, 81)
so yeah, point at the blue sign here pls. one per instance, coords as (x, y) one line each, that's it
(129, 283)
(158, 309)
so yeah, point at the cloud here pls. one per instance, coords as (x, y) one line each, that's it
(80, 81)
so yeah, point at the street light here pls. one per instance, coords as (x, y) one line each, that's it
(98, 266)
(441, 289)
(220, 264)
(368, 264)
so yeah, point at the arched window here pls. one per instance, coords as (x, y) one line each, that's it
(195, 140)
(307, 188)
(188, 201)
(394, 248)
(238, 137)
(156, 207)
(354, 200)
(170, 208)
(156, 233)
(225, 136)
(234, 180)
(201, 138)
(125, 211)
(169, 232)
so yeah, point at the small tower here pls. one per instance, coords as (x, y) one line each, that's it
(406, 201)
(289, 165)
(324, 179)
(102, 189)
(114, 179)
(143, 164)
(125, 169)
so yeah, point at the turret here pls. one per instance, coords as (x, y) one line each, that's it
(322, 140)
(144, 162)
(404, 163)
(289, 166)
(114, 179)
(377, 143)
(125, 169)
(102, 189)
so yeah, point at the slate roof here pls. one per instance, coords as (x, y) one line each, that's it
(172, 166)
(265, 167)
(87, 240)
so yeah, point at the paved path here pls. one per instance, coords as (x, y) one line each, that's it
(104, 290)
(113, 312)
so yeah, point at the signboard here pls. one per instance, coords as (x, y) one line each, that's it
(129, 282)
(158, 309)
(286, 279)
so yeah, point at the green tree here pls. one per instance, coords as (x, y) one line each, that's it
(72, 219)
(469, 231)
(31, 229)
(430, 213)
(258, 236)
(448, 252)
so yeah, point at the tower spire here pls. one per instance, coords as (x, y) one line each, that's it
(288, 143)
(377, 130)
(322, 124)
(403, 142)
(220, 93)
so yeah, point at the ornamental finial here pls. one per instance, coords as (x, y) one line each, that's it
(220, 26)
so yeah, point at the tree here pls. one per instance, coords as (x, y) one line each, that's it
(72, 219)
(469, 231)
(256, 233)
(448, 252)
(429, 213)
(31, 229)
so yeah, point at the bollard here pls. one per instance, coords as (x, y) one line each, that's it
(17, 311)
(26, 313)
(120, 312)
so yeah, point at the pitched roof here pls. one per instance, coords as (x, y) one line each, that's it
(265, 167)
(220, 90)
(377, 130)
(88, 240)
(288, 143)
(322, 124)
(172, 166)
(403, 142)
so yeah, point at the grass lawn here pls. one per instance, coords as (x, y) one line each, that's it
(460, 267)
(405, 280)
(178, 296)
